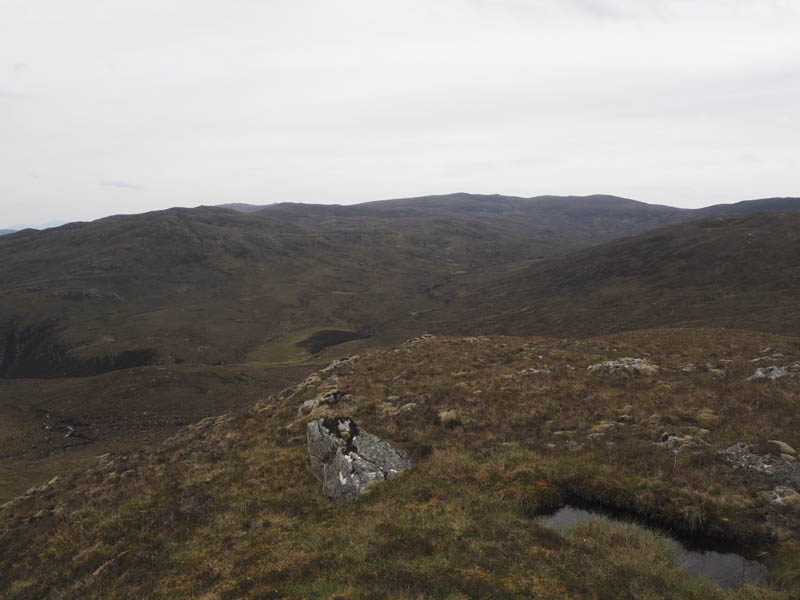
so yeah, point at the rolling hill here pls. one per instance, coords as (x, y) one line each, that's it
(215, 285)
(740, 271)
(211, 285)
(143, 311)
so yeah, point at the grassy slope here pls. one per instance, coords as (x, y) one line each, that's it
(203, 285)
(229, 509)
(217, 285)
(733, 271)
(210, 284)
(115, 412)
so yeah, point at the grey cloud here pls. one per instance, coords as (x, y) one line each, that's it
(634, 9)
(313, 101)
(5, 93)
(125, 185)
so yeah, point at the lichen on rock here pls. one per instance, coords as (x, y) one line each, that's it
(345, 458)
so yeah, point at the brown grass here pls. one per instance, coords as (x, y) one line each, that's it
(230, 509)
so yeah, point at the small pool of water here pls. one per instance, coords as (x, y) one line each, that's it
(717, 561)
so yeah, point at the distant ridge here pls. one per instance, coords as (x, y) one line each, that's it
(242, 207)
(751, 206)
(6, 231)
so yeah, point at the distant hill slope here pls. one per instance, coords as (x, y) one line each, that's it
(734, 271)
(554, 224)
(213, 284)
(6, 231)
(242, 207)
(750, 206)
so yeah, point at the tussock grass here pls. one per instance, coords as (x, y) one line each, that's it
(230, 509)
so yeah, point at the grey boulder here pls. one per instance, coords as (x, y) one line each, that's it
(769, 373)
(345, 458)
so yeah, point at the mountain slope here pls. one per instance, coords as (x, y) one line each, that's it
(732, 271)
(210, 285)
(749, 206)
(555, 223)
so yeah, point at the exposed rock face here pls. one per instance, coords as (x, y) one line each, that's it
(329, 397)
(631, 366)
(769, 373)
(346, 458)
(783, 470)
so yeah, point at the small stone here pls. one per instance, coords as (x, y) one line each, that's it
(681, 443)
(331, 396)
(784, 496)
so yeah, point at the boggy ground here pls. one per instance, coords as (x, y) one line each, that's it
(500, 429)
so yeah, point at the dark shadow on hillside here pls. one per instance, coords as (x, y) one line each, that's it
(34, 351)
(324, 338)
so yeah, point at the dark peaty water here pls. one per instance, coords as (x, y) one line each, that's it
(718, 562)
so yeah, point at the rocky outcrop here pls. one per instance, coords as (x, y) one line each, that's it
(629, 366)
(329, 397)
(345, 458)
(769, 373)
(681, 443)
(783, 469)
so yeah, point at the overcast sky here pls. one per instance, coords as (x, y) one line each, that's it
(126, 106)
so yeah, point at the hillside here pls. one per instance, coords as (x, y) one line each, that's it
(143, 311)
(52, 426)
(500, 430)
(242, 207)
(139, 310)
(210, 285)
(733, 271)
(6, 231)
(553, 223)
(749, 207)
